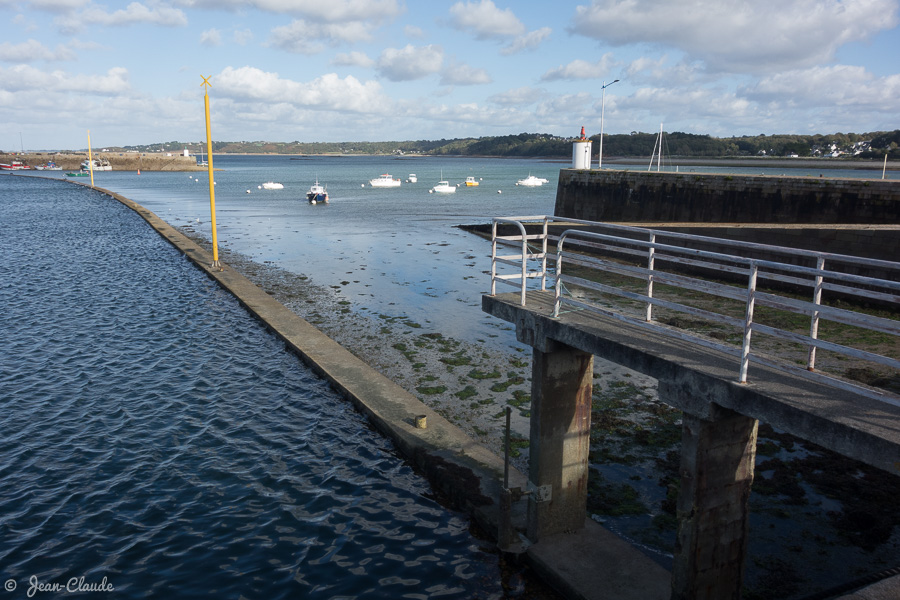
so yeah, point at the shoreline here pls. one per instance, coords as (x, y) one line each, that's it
(125, 161)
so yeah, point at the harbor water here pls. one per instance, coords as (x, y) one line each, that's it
(388, 251)
(158, 442)
(398, 253)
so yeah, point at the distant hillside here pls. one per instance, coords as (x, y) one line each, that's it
(872, 145)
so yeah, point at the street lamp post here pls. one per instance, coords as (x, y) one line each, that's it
(602, 106)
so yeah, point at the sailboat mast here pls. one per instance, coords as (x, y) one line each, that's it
(659, 156)
(653, 154)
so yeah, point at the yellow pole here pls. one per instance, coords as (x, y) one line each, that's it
(90, 159)
(212, 183)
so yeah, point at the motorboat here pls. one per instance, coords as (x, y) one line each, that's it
(412, 178)
(443, 187)
(532, 181)
(470, 182)
(49, 166)
(77, 174)
(15, 165)
(384, 181)
(317, 194)
(271, 185)
(97, 164)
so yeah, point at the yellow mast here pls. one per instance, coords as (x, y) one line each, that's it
(212, 183)
(90, 159)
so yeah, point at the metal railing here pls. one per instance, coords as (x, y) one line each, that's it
(617, 270)
(520, 260)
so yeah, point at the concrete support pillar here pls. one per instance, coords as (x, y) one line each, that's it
(560, 440)
(717, 460)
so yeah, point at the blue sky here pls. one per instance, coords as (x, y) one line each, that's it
(377, 70)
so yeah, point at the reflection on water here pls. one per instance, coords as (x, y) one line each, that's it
(156, 436)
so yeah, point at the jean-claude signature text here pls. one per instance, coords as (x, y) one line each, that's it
(74, 584)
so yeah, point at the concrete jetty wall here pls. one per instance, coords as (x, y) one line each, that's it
(120, 161)
(702, 198)
(846, 216)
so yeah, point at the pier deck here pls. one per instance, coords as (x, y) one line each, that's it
(858, 427)
(719, 430)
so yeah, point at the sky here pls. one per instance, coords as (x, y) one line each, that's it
(391, 70)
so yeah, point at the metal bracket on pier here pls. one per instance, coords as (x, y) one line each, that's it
(540, 493)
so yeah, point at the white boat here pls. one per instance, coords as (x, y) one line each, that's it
(443, 187)
(384, 181)
(412, 178)
(49, 166)
(470, 182)
(271, 185)
(532, 181)
(99, 164)
(317, 194)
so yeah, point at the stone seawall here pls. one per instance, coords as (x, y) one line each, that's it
(858, 217)
(120, 161)
(702, 198)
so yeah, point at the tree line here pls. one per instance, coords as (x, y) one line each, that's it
(860, 145)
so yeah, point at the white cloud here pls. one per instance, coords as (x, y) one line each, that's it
(828, 87)
(33, 50)
(296, 38)
(464, 75)
(738, 36)
(662, 105)
(320, 11)
(58, 5)
(567, 104)
(242, 37)
(133, 14)
(353, 59)
(410, 62)
(27, 78)
(302, 37)
(138, 13)
(485, 20)
(413, 32)
(211, 37)
(519, 96)
(581, 69)
(529, 41)
(328, 92)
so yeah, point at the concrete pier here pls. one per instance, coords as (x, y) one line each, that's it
(717, 460)
(719, 426)
(560, 440)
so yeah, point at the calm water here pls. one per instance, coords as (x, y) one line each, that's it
(398, 252)
(389, 251)
(156, 436)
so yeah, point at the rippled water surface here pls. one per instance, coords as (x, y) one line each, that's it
(155, 435)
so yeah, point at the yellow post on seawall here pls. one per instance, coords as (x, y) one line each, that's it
(212, 182)
(90, 159)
